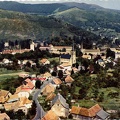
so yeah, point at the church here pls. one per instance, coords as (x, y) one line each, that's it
(69, 58)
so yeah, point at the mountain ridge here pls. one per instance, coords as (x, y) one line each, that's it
(46, 9)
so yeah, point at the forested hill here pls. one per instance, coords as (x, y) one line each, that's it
(17, 25)
(90, 17)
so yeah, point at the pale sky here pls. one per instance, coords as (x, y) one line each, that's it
(112, 4)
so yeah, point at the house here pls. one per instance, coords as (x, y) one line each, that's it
(44, 76)
(91, 51)
(50, 96)
(24, 105)
(4, 116)
(28, 84)
(75, 70)
(101, 62)
(60, 49)
(48, 89)
(22, 91)
(50, 115)
(1, 107)
(6, 61)
(24, 75)
(80, 113)
(32, 63)
(59, 106)
(47, 75)
(24, 62)
(64, 66)
(25, 102)
(86, 56)
(56, 82)
(13, 98)
(66, 72)
(59, 67)
(4, 95)
(11, 106)
(69, 80)
(75, 112)
(44, 61)
(95, 112)
(102, 115)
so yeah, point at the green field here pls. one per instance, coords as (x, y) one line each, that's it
(5, 74)
(109, 102)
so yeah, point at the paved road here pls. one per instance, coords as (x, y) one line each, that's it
(39, 110)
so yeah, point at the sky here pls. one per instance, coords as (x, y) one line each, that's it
(112, 4)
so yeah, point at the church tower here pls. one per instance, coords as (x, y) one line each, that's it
(32, 46)
(73, 57)
(73, 54)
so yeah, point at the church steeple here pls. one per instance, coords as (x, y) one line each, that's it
(73, 54)
(32, 46)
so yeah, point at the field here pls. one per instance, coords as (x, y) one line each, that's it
(110, 101)
(5, 74)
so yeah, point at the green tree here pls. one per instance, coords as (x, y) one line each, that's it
(101, 97)
(110, 53)
(60, 74)
(38, 84)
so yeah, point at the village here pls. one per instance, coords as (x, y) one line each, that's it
(45, 94)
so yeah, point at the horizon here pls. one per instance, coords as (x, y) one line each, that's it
(109, 4)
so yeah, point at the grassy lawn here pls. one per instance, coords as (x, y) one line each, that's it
(108, 102)
(56, 59)
(5, 74)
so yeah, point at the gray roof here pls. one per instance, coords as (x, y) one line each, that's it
(66, 56)
(102, 114)
(61, 99)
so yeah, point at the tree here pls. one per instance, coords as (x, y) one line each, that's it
(32, 110)
(110, 53)
(20, 115)
(60, 74)
(38, 84)
(63, 50)
(28, 64)
(54, 73)
(43, 69)
(101, 97)
(72, 72)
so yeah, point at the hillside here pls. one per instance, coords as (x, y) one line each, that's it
(101, 22)
(16, 25)
(90, 17)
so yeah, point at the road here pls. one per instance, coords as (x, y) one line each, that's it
(39, 110)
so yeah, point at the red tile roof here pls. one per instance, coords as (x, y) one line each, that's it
(91, 112)
(50, 115)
